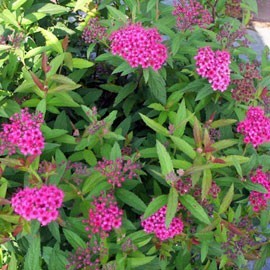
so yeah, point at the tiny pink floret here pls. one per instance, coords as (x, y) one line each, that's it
(41, 204)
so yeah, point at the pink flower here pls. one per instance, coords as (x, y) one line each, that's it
(255, 127)
(117, 171)
(104, 215)
(214, 66)
(41, 204)
(156, 224)
(259, 200)
(190, 13)
(24, 133)
(93, 32)
(139, 46)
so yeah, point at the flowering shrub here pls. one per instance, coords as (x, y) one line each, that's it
(134, 135)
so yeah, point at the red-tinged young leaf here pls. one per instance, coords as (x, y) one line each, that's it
(65, 42)
(37, 81)
(197, 133)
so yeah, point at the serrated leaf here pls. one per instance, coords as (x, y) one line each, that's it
(32, 257)
(157, 86)
(206, 182)
(222, 123)
(227, 200)
(115, 152)
(171, 206)
(74, 239)
(81, 63)
(195, 208)
(155, 205)
(154, 125)
(164, 159)
(130, 199)
(184, 147)
(117, 14)
(51, 40)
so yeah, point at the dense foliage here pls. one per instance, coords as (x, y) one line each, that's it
(134, 135)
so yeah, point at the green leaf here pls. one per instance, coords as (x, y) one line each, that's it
(157, 86)
(51, 40)
(32, 259)
(9, 18)
(154, 125)
(13, 262)
(82, 5)
(222, 123)
(237, 166)
(135, 262)
(74, 239)
(171, 206)
(184, 147)
(223, 144)
(52, 9)
(204, 251)
(130, 199)
(115, 152)
(90, 157)
(180, 120)
(81, 63)
(93, 180)
(54, 229)
(124, 92)
(195, 208)
(155, 205)
(150, 5)
(3, 187)
(206, 182)
(117, 14)
(17, 4)
(164, 159)
(227, 200)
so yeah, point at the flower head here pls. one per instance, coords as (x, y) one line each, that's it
(255, 127)
(24, 133)
(104, 215)
(259, 200)
(139, 46)
(214, 66)
(93, 32)
(190, 13)
(157, 224)
(41, 204)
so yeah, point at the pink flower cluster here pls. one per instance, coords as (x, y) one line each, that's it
(104, 216)
(117, 171)
(190, 13)
(24, 133)
(255, 127)
(85, 258)
(93, 32)
(214, 66)
(259, 200)
(139, 46)
(156, 224)
(41, 204)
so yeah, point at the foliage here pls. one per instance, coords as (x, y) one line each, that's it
(124, 142)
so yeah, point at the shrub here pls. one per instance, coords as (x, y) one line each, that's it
(134, 135)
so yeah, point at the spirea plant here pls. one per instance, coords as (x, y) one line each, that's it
(134, 135)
